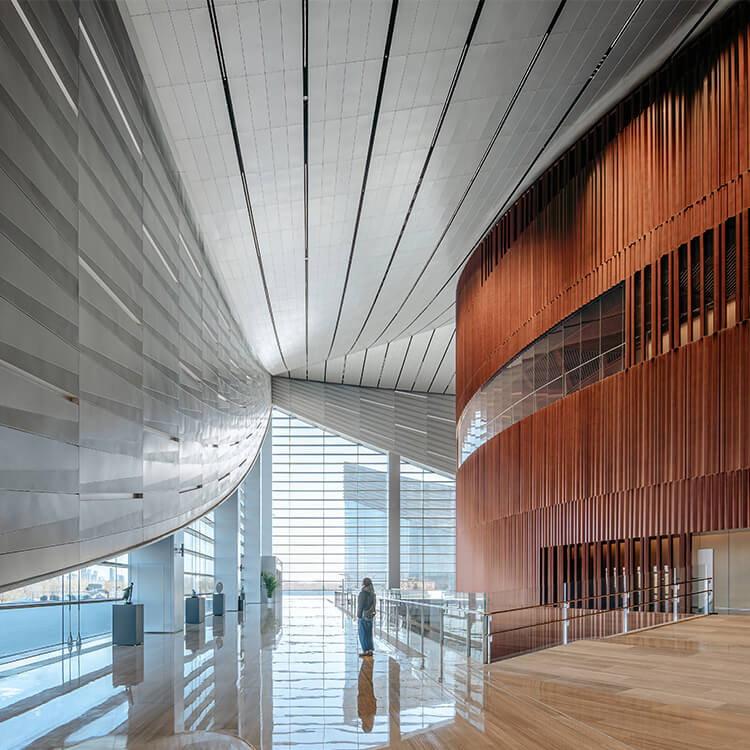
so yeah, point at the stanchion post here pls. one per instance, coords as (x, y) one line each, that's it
(421, 625)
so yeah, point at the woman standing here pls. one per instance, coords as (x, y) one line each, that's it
(365, 613)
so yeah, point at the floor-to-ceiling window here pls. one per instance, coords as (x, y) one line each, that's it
(63, 608)
(329, 507)
(428, 530)
(199, 556)
(330, 513)
(366, 522)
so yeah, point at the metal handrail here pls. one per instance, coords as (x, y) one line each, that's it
(635, 607)
(471, 617)
(597, 596)
(68, 603)
(412, 603)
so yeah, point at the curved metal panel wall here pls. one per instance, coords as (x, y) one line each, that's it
(656, 196)
(129, 401)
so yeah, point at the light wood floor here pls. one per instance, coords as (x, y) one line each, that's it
(685, 685)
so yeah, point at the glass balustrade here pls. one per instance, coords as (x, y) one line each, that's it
(586, 347)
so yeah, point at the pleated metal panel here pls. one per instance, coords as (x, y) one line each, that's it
(419, 426)
(130, 403)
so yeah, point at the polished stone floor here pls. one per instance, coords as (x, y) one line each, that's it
(284, 677)
(291, 678)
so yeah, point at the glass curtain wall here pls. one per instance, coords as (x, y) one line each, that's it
(330, 498)
(330, 514)
(47, 613)
(199, 557)
(241, 492)
(365, 523)
(428, 530)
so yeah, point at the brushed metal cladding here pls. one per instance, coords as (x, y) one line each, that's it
(130, 403)
(419, 426)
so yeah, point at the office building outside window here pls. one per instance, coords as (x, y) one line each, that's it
(428, 530)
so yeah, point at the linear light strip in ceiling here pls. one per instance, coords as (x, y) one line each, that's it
(403, 362)
(241, 165)
(424, 356)
(430, 150)
(482, 161)
(440, 364)
(306, 143)
(370, 146)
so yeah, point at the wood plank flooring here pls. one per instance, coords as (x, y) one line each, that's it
(685, 685)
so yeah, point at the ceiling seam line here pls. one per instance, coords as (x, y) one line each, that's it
(436, 135)
(424, 357)
(437, 317)
(306, 199)
(233, 123)
(694, 27)
(403, 362)
(482, 160)
(376, 114)
(440, 364)
(382, 364)
(362, 374)
(505, 206)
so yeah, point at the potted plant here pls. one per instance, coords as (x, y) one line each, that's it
(270, 582)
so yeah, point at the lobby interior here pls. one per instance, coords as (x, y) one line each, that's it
(451, 295)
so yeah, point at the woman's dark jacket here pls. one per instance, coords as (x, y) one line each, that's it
(366, 604)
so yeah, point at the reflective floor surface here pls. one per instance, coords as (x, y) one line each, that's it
(291, 677)
(272, 677)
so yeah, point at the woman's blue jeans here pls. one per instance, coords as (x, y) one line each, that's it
(365, 634)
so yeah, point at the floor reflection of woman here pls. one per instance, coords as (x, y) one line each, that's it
(366, 703)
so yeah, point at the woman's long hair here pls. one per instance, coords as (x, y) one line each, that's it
(367, 584)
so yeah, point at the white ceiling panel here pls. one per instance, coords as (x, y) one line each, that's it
(353, 368)
(433, 357)
(446, 372)
(394, 360)
(382, 304)
(316, 372)
(413, 359)
(373, 365)
(334, 370)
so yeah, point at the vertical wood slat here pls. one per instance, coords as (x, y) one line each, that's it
(707, 412)
(659, 449)
(600, 212)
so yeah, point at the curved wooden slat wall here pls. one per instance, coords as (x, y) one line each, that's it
(659, 448)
